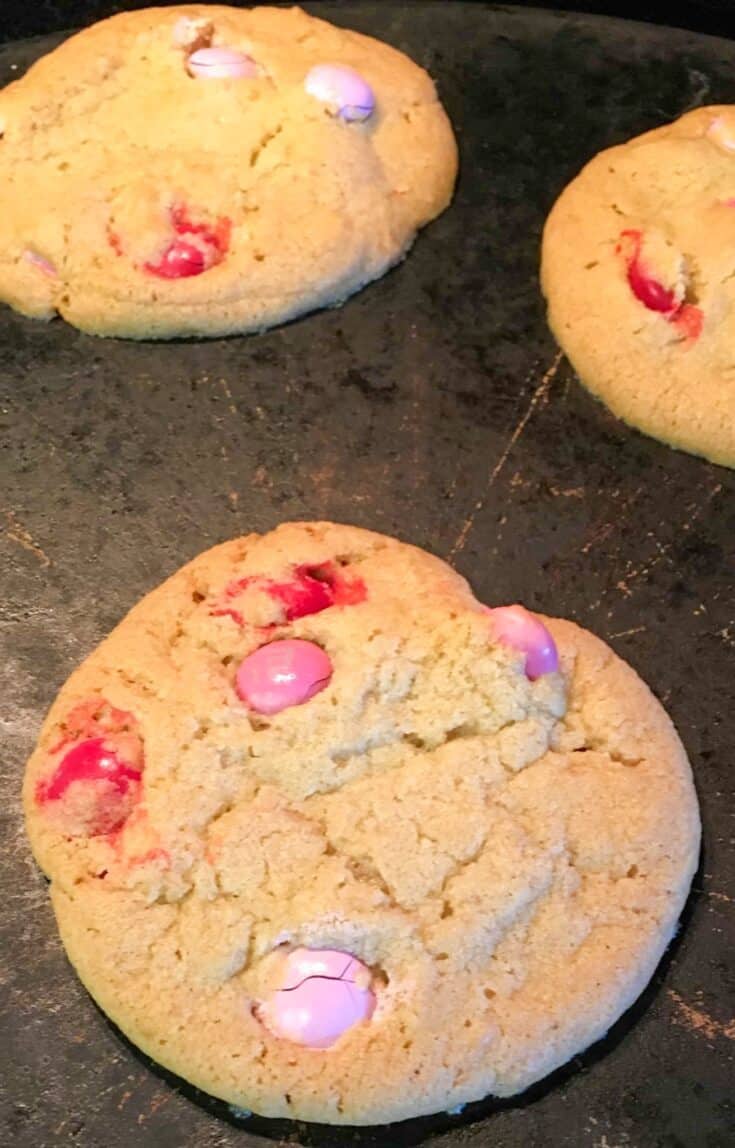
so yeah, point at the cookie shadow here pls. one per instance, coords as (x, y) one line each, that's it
(409, 1133)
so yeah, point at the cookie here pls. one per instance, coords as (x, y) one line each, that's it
(637, 274)
(332, 840)
(204, 170)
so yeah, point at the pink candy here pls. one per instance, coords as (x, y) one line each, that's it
(282, 674)
(45, 266)
(321, 997)
(221, 64)
(721, 134)
(342, 89)
(517, 627)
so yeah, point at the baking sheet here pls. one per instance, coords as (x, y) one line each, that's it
(433, 406)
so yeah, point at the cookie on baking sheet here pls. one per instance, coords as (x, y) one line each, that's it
(205, 170)
(332, 840)
(637, 269)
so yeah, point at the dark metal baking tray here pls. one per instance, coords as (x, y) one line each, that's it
(433, 406)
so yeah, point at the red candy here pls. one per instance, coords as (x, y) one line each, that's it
(314, 588)
(217, 237)
(687, 318)
(311, 589)
(95, 788)
(96, 784)
(196, 248)
(179, 261)
(648, 290)
(303, 595)
(233, 590)
(89, 761)
(345, 591)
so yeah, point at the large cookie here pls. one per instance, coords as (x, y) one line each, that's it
(333, 841)
(203, 170)
(637, 269)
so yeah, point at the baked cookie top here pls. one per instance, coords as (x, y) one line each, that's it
(208, 170)
(637, 271)
(332, 840)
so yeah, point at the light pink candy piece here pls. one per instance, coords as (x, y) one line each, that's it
(282, 674)
(43, 265)
(517, 627)
(721, 134)
(343, 89)
(320, 998)
(221, 64)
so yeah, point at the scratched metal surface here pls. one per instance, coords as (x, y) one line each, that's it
(433, 406)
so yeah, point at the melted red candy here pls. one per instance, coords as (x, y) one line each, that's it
(102, 808)
(310, 590)
(315, 588)
(95, 785)
(345, 591)
(180, 260)
(184, 257)
(648, 290)
(217, 237)
(303, 595)
(687, 318)
(233, 590)
(88, 761)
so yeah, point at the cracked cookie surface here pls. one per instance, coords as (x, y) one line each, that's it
(145, 198)
(507, 857)
(639, 275)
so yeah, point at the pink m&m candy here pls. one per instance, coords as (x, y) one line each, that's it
(282, 674)
(517, 627)
(341, 88)
(221, 64)
(325, 992)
